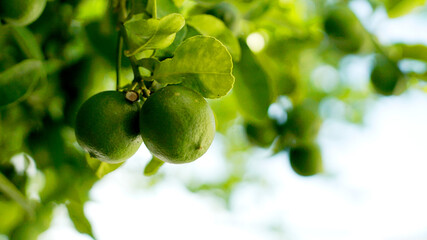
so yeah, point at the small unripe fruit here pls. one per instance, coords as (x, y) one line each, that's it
(262, 134)
(177, 124)
(343, 29)
(385, 76)
(306, 160)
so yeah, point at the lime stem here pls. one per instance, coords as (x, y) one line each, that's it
(119, 60)
(154, 13)
(134, 85)
(135, 69)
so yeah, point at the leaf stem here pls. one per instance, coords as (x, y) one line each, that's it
(138, 79)
(136, 73)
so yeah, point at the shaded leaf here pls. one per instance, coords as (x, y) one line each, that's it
(225, 112)
(146, 34)
(27, 42)
(252, 87)
(201, 63)
(214, 27)
(18, 80)
(102, 36)
(153, 166)
(258, 9)
(168, 52)
(149, 63)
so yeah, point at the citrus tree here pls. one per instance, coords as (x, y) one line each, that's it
(85, 83)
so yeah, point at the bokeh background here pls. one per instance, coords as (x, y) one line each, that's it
(371, 140)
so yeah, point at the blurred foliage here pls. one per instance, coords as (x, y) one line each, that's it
(287, 55)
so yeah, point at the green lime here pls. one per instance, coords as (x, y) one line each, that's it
(306, 159)
(262, 134)
(303, 121)
(385, 75)
(107, 127)
(177, 124)
(343, 29)
(21, 12)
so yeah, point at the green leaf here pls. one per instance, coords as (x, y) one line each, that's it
(77, 215)
(153, 166)
(10, 190)
(252, 88)
(101, 168)
(27, 42)
(397, 8)
(147, 34)
(225, 112)
(201, 63)
(214, 27)
(168, 52)
(18, 80)
(14, 213)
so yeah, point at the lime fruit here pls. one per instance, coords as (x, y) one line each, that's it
(21, 12)
(303, 121)
(177, 124)
(306, 159)
(261, 135)
(343, 29)
(385, 75)
(107, 127)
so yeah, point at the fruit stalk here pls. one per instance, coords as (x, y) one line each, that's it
(119, 60)
(154, 9)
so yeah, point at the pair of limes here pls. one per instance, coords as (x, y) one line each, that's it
(176, 124)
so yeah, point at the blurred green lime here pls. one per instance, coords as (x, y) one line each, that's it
(344, 29)
(306, 159)
(303, 121)
(261, 135)
(385, 75)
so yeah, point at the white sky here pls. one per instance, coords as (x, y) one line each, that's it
(374, 187)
